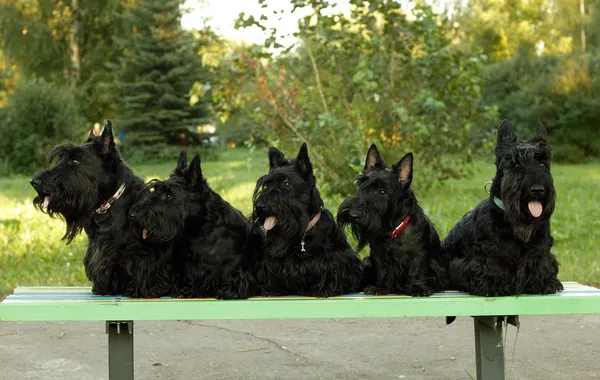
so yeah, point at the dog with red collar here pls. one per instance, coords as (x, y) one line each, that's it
(384, 214)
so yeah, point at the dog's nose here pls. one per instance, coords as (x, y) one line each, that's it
(538, 190)
(35, 183)
(354, 214)
(261, 207)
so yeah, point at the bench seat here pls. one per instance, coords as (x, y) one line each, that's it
(48, 303)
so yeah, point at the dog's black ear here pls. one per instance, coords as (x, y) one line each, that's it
(507, 138)
(540, 134)
(194, 172)
(276, 158)
(303, 164)
(404, 170)
(106, 141)
(373, 159)
(181, 164)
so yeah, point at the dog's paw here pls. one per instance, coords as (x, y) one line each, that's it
(272, 293)
(557, 285)
(182, 292)
(377, 291)
(132, 292)
(230, 295)
(552, 287)
(97, 291)
(322, 293)
(419, 292)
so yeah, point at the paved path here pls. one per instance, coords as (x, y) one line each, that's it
(548, 348)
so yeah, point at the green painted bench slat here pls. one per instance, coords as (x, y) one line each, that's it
(31, 304)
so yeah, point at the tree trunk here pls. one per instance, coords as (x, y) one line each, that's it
(75, 58)
(582, 12)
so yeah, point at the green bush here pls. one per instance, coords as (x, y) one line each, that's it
(39, 115)
(561, 91)
(373, 75)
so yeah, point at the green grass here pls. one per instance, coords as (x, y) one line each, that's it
(32, 253)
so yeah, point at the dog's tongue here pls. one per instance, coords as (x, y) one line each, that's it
(535, 208)
(145, 233)
(270, 223)
(46, 201)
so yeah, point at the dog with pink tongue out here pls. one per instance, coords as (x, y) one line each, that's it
(502, 247)
(306, 252)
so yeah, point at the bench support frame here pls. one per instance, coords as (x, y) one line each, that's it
(489, 346)
(120, 350)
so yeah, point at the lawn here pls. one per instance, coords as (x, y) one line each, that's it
(33, 254)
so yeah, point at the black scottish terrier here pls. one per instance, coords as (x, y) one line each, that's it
(306, 252)
(384, 213)
(216, 249)
(502, 247)
(93, 190)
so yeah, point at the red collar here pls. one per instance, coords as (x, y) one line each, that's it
(400, 227)
(313, 221)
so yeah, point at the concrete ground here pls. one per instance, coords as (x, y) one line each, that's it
(547, 348)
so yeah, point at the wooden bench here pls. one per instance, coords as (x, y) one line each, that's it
(48, 304)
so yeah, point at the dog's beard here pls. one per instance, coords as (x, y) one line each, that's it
(165, 231)
(363, 231)
(76, 211)
(283, 225)
(525, 215)
(158, 226)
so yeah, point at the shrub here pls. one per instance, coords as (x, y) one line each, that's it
(558, 90)
(375, 75)
(39, 115)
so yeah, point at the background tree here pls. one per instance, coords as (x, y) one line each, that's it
(377, 74)
(159, 66)
(67, 43)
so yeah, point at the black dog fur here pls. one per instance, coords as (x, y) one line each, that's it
(216, 249)
(86, 176)
(405, 263)
(496, 252)
(286, 200)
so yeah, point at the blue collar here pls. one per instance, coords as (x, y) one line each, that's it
(499, 203)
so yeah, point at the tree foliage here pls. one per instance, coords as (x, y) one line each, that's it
(501, 28)
(377, 74)
(560, 91)
(39, 115)
(159, 66)
(39, 37)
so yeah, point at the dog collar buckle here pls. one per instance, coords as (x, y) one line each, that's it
(400, 227)
(106, 205)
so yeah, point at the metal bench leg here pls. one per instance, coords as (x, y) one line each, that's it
(489, 350)
(120, 350)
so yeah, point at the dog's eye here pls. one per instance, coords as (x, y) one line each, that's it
(287, 183)
(74, 162)
(543, 165)
(165, 196)
(382, 192)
